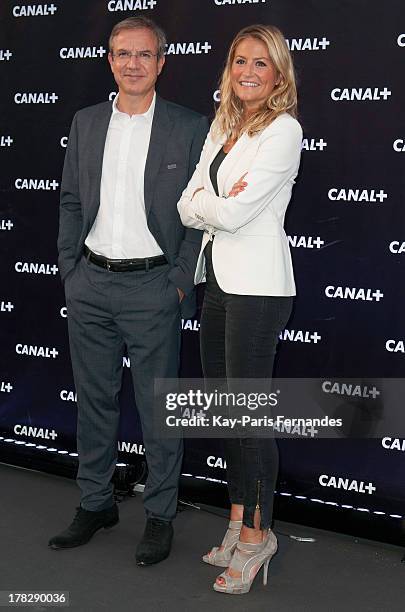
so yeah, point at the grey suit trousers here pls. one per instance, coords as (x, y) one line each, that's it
(106, 312)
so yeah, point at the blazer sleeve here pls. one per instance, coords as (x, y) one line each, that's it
(188, 218)
(182, 273)
(275, 163)
(70, 211)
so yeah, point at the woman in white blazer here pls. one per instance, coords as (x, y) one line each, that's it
(238, 196)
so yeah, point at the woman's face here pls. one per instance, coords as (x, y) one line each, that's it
(253, 76)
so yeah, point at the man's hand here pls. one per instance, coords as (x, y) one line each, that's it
(238, 187)
(181, 295)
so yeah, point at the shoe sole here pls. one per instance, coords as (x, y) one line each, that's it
(217, 562)
(107, 526)
(146, 563)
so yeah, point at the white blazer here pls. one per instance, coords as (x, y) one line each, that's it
(250, 253)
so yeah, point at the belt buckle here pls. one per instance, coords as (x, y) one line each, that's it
(108, 265)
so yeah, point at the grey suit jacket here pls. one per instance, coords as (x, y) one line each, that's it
(176, 141)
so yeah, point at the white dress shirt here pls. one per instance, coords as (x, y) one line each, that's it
(120, 229)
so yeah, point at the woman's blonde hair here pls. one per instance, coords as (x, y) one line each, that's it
(283, 98)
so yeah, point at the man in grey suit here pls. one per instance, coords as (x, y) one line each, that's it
(127, 262)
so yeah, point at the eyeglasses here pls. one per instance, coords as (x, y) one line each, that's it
(124, 56)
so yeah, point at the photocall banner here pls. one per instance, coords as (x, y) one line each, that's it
(345, 225)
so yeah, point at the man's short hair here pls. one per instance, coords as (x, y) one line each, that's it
(137, 23)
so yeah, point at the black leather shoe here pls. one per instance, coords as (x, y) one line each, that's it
(84, 526)
(156, 542)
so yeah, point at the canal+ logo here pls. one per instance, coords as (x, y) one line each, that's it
(350, 389)
(36, 351)
(188, 48)
(34, 10)
(337, 482)
(66, 53)
(35, 97)
(35, 268)
(307, 44)
(360, 94)
(313, 144)
(35, 432)
(131, 5)
(298, 335)
(336, 194)
(306, 242)
(36, 184)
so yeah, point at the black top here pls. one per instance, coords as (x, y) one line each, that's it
(217, 161)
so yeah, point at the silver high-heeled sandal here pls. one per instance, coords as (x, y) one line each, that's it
(248, 559)
(222, 558)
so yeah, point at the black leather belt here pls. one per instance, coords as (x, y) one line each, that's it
(124, 265)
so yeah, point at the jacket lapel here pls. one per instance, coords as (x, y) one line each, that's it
(99, 134)
(214, 152)
(234, 156)
(159, 137)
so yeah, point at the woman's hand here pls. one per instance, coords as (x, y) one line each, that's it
(238, 187)
(196, 191)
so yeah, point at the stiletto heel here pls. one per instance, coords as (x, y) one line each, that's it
(265, 570)
(222, 558)
(248, 559)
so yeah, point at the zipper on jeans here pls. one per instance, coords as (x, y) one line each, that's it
(258, 496)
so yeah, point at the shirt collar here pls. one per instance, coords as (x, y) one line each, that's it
(148, 115)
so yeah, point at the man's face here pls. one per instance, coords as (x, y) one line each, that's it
(135, 76)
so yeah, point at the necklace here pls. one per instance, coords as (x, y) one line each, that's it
(229, 144)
